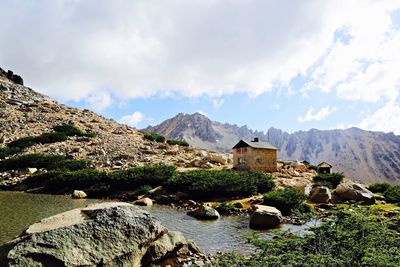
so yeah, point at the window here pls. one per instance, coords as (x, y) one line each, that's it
(241, 161)
(258, 160)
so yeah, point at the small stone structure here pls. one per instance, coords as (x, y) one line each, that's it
(324, 167)
(255, 155)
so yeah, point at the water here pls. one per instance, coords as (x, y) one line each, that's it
(19, 210)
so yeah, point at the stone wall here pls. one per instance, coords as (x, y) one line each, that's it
(255, 159)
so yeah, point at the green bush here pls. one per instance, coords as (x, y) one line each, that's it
(50, 162)
(225, 208)
(392, 194)
(347, 240)
(221, 183)
(23, 142)
(332, 180)
(286, 200)
(177, 142)
(379, 187)
(70, 129)
(154, 137)
(48, 138)
(8, 151)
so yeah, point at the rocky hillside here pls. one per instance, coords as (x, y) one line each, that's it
(362, 155)
(24, 112)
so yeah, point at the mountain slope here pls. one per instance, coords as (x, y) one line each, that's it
(24, 112)
(362, 155)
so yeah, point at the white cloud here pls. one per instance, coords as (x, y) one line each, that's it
(99, 101)
(317, 116)
(218, 102)
(386, 119)
(132, 120)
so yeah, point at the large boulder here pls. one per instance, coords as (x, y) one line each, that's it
(320, 194)
(169, 246)
(105, 234)
(204, 213)
(353, 191)
(265, 217)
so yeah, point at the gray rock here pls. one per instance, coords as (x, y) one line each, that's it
(204, 213)
(105, 234)
(168, 246)
(320, 194)
(265, 217)
(353, 191)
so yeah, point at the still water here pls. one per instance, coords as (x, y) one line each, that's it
(19, 210)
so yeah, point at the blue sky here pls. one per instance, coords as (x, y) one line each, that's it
(293, 65)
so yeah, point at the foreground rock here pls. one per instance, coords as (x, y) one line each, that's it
(320, 194)
(204, 213)
(105, 234)
(353, 191)
(169, 246)
(265, 217)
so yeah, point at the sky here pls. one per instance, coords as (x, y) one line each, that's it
(293, 65)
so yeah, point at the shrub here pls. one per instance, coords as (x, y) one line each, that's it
(347, 240)
(50, 162)
(225, 208)
(177, 142)
(154, 137)
(221, 183)
(8, 151)
(286, 200)
(392, 194)
(48, 138)
(379, 187)
(70, 129)
(152, 175)
(23, 142)
(332, 180)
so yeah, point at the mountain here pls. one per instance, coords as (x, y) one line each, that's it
(24, 112)
(362, 155)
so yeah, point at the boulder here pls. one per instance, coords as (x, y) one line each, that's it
(144, 202)
(169, 246)
(320, 194)
(218, 158)
(353, 191)
(204, 213)
(78, 194)
(104, 234)
(265, 217)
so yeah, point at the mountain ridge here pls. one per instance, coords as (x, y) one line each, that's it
(362, 155)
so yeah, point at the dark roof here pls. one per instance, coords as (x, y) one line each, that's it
(325, 164)
(248, 143)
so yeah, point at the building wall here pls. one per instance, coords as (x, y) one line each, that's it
(248, 158)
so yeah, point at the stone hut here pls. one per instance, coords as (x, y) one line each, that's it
(324, 167)
(255, 155)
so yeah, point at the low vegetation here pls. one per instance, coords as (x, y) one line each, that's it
(50, 162)
(221, 183)
(198, 184)
(349, 239)
(286, 200)
(154, 137)
(177, 142)
(61, 133)
(390, 192)
(331, 180)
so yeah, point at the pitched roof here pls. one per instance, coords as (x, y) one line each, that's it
(325, 164)
(249, 143)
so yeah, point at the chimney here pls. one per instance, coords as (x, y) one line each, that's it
(255, 139)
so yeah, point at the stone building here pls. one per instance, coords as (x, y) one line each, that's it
(255, 155)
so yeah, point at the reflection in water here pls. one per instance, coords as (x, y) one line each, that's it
(19, 210)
